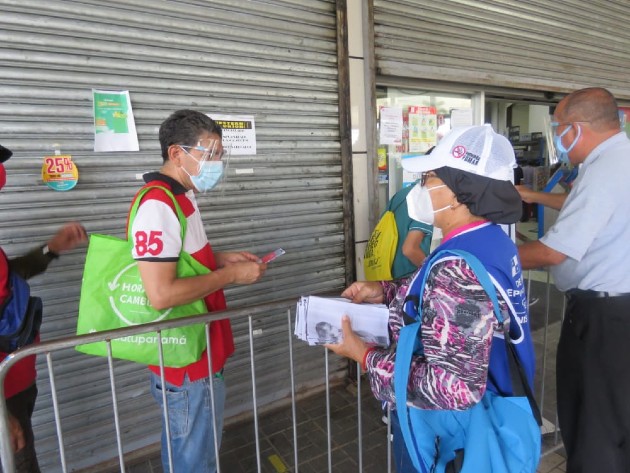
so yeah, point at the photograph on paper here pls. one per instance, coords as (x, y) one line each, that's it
(318, 320)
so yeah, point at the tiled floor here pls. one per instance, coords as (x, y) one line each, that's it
(238, 451)
(553, 463)
(276, 439)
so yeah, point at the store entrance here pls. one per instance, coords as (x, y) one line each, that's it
(411, 120)
(524, 124)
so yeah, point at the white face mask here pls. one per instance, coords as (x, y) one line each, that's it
(419, 205)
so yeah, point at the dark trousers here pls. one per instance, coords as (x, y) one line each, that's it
(402, 460)
(593, 384)
(21, 407)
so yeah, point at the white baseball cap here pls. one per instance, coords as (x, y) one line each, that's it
(475, 149)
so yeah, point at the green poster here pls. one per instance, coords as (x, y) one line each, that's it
(110, 112)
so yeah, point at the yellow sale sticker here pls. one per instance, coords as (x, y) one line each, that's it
(59, 172)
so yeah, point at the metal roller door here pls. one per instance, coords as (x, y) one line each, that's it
(537, 45)
(276, 60)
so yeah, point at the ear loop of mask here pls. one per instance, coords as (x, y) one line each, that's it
(443, 208)
(199, 164)
(190, 176)
(572, 145)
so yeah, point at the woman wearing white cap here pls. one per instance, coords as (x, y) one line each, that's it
(466, 191)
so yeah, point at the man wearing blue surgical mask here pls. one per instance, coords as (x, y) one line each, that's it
(558, 138)
(193, 162)
(588, 251)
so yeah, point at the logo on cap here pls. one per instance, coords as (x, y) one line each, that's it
(458, 152)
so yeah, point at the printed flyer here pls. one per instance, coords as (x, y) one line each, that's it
(114, 125)
(239, 133)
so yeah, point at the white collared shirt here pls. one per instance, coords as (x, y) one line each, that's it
(593, 227)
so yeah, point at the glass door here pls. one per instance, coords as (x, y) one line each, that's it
(410, 122)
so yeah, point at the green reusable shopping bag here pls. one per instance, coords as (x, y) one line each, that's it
(112, 296)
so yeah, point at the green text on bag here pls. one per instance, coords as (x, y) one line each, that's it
(381, 249)
(113, 296)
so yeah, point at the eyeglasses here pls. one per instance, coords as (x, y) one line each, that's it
(557, 124)
(425, 175)
(208, 153)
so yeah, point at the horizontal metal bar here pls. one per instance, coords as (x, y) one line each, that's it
(70, 342)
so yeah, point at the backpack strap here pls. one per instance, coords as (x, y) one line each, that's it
(136, 204)
(412, 305)
(517, 371)
(410, 343)
(407, 339)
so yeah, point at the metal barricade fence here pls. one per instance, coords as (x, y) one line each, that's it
(284, 308)
(545, 344)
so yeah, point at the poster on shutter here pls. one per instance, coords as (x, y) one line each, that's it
(239, 133)
(59, 172)
(114, 125)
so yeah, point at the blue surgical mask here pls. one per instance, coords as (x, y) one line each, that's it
(210, 173)
(209, 176)
(563, 153)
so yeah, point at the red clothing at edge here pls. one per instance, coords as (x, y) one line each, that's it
(21, 375)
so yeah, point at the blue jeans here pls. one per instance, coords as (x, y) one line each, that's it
(191, 417)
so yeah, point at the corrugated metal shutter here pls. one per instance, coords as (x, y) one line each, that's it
(538, 44)
(276, 60)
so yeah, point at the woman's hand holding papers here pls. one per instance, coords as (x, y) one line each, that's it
(364, 291)
(352, 346)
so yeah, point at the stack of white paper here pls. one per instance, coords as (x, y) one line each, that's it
(318, 320)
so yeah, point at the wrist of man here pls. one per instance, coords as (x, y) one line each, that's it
(47, 252)
(226, 275)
